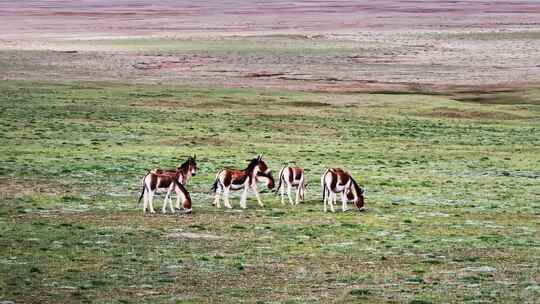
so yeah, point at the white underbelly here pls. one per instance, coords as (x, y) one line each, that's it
(340, 188)
(237, 187)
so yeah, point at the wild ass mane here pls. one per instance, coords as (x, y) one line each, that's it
(357, 188)
(251, 166)
(184, 167)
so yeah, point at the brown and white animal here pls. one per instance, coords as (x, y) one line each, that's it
(164, 178)
(336, 180)
(292, 177)
(154, 180)
(232, 179)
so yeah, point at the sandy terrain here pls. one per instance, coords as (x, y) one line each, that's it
(351, 45)
(135, 17)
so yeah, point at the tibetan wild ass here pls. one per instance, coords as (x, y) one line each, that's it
(153, 181)
(335, 180)
(292, 177)
(166, 177)
(232, 179)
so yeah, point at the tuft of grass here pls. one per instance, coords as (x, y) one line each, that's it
(418, 301)
(360, 292)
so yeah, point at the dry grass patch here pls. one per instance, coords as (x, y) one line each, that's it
(445, 112)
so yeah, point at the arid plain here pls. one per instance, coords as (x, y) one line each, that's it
(433, 106)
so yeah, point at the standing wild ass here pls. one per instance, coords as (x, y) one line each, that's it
(336, 180)
(233, 179)
(292, 177)
(170, 179)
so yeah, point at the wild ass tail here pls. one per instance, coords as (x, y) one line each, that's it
(215, 184)
(323, 186)
(280, 178)
(143, 189)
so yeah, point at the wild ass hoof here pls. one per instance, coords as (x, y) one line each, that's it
(186, 211)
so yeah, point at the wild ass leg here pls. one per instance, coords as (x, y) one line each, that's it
(226, 192)
(148, 193)
(257, 195)
(343, 201)
(324, 199)
(166, 201)
(216, 197)
(297, 199)
(331, 200)
(179, 195)
(289, 189)
(283, 194)
(243, 198)
(301, 190)
(145, 200)
(151, 200)
(326, 191)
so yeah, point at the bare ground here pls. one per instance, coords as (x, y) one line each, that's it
(345, 46)
(55, 18)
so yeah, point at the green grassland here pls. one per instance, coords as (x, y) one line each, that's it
(492, 36)
(452, 183)
(259, 45)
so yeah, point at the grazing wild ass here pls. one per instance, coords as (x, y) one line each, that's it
(335, 180)
(170, 179)
(292, 177)
(232, 179)
(153, 181)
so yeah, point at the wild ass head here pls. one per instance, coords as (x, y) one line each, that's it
(258, 168)
(189, 167)
(355, 194)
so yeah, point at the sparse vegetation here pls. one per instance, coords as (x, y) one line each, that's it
(452, 199)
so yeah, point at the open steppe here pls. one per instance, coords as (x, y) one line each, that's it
(434, 107)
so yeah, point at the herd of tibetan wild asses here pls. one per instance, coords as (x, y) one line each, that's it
(333, 181)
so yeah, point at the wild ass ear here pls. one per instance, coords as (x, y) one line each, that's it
(194, 156)
(259, 157)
